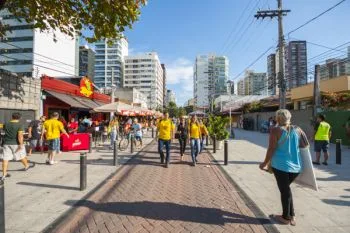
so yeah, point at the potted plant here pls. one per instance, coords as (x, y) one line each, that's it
(218, 127)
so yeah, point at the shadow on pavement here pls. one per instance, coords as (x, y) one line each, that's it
(171, 211)
(336, 202)
(238, 162)
(91, 161)
(48, 186)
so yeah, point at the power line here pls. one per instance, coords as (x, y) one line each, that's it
(316, 17)
(253, 63)
(242, 30)
(319, 45)
(16, 46)
(235, 28)
(63, 72)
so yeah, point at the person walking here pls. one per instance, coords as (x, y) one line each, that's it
(52, 129)
(113, 130)
(204, 134)
(283, 154)
(182, 135)
(323, 134)
(34, 134)
(194, 136)
(165, 134)
(13, 144)
(137, 127)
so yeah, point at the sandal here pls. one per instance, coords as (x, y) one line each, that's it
(293, 221)
(279, 219)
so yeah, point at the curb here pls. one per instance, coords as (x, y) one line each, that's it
(270, 228)
(64, 215)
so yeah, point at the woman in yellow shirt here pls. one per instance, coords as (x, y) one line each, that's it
(194, 136)
(204, 133)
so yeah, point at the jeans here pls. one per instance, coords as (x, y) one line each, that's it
(284, 180)
(195, 148)
(182, 142)
(113, 137)
(161, 144)
(202, 143)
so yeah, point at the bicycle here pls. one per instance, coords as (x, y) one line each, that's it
(125, 141)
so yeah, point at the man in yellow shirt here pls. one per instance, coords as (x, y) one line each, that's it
(165, 134)
(322, 135)
(52, 129)
(194, 137)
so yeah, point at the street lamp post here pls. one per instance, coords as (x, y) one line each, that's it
(231, 83)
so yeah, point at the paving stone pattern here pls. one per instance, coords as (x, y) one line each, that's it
(147, 197)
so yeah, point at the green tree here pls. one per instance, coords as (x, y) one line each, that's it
(189, 109)
(172, 109)
(181, 112)
(98, 18)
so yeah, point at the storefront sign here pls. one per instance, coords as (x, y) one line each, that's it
(86, 88)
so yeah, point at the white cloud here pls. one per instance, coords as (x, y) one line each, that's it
(180, 79)
(179, 71)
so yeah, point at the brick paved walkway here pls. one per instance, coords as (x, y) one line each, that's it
(146, 197)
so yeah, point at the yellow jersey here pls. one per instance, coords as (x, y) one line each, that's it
(165, 127)
(204, 129)
(195, 130)
(53, 129)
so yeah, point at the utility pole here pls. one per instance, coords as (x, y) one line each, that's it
(279, 13)
(317, 96)
(112, 90)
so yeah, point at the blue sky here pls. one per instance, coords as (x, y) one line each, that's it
(179, 30)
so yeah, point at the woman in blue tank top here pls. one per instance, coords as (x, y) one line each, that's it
(284, 155)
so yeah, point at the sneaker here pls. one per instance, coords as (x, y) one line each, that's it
(53, 162)
(316, 163)
(194, 164)
(167, 165)
(325, 163)
(6, 176)
(47, 161)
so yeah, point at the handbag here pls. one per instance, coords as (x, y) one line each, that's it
(307, 177)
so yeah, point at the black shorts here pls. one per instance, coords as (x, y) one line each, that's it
(321, 145)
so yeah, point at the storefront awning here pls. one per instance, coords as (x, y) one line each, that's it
(114, 107)
(74, 101)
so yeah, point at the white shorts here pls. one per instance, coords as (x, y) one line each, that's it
(9, 153)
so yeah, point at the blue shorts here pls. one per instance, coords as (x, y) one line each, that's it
(138, 138)
(321, 145)
(54, 144)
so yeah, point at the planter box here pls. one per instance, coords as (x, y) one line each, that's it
(219, 145)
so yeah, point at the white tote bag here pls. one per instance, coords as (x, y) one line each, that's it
(307, 176)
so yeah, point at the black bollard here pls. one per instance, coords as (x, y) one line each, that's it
(115, 153)
(90, 143)
(226, 152)
(214, 144)
(338, 151)
(152, 132)
(83, 171)
(132, 144)
(2, 206)
(207, 140)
